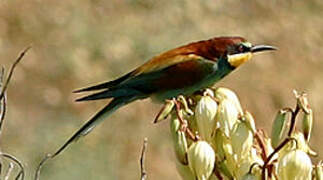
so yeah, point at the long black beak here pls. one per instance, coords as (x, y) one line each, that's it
(260, 48)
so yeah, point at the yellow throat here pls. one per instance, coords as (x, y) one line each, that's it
(236, 60)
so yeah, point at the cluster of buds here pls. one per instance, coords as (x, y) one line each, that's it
(215, 139)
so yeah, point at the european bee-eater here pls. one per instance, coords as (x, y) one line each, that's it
(180, 71)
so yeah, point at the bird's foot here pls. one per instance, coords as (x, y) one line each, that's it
(184, 123)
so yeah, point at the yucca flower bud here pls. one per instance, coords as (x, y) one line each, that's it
(205, 112)
(253, 160)
(165, 111)
(179, 140)
(307, 124)
(250, 121)
(227, 115)
(294, 165)
(224, 169)
(208, 92)
(201, 159)
(302, 143)
(219, 140)
(279, 127)
(241, 139)
(231, 161)
(225, 93)
(318, 171)
(224, 152)
(299, 143)
(250, 176)
(184, 171)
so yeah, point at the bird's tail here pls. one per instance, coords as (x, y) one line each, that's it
(115, 104)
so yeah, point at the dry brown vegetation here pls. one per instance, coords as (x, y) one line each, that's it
(77, 43)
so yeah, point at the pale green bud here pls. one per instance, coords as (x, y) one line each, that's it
(201, 159)
(252, 160)
(299, 143)
(205, 112)
(318, 171)
(179, 140)
(219, 140)
(302, 143)
(165, 111)
(279, 127)
(223, 168)
(307, 124)
(241, 139)
(225, 93)
(250, 121)
(294, 165)
(227, 116)
(250, 176)
(213, 177)
(184, 171)
(230, 157)
(192, 124)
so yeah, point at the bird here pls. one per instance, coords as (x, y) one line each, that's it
(179, 71)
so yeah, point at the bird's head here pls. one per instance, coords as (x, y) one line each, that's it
(238, 50)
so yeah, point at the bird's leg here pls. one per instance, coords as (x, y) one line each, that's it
(184, 124)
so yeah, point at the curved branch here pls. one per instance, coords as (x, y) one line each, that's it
(37, 174)
(21, 55)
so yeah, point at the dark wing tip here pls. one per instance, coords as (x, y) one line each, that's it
(96, 96)
(80, 90)
(81, 99)
(77, 91)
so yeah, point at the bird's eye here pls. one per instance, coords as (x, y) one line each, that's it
(241, 48)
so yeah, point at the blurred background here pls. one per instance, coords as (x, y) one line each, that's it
(80, 43)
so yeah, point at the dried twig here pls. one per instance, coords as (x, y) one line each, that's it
(3, 107)
(21, 55)
(4, 86)
(143, 172)
(37, 174)
(3, 104)
(293, 120)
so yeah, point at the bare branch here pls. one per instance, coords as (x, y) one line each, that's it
(293, 120)
(266, 163)
(21, 55)
(3, 104)
(142, 160)
(37, 174)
